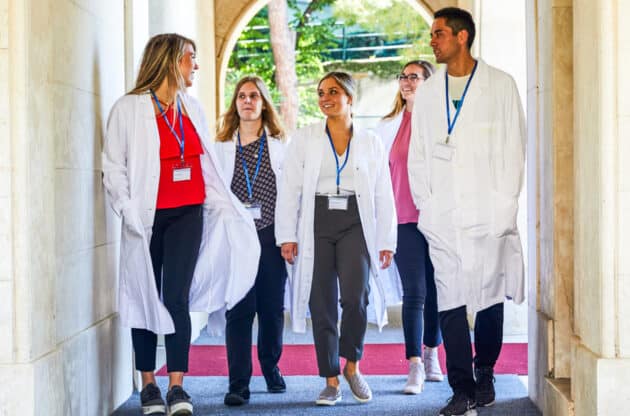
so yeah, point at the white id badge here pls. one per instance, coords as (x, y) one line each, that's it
(254, 209)
(338, 202)
(181, 173)
(443, 151)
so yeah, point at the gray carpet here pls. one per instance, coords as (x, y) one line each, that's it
(207, 394)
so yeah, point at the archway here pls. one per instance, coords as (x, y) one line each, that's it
(237, 14)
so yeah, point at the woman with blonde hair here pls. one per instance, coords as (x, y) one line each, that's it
(161, 177)
(412, 263)
(251, 146)
(335, 224)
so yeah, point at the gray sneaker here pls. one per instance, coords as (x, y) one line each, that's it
(329, 396)
(415, 380)
(358, 386)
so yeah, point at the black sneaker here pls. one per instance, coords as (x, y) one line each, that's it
(237, 398)
(151, 400)
(275, 382)
(484, 389)
(179, 403)
(459, 405)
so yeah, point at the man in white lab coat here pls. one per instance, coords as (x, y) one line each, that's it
(466, 163)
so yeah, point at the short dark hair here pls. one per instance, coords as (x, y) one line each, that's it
(458, 19)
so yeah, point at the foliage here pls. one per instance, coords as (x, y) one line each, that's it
(395, 19)
(253, 54)
(317, 32)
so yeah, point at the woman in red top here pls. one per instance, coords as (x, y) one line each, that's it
(161, 204)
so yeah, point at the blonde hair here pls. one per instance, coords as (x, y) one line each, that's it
(230, 120)
(399, 101)
(345, 81)
(160, 60)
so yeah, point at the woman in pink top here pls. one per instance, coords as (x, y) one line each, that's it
(413, 264)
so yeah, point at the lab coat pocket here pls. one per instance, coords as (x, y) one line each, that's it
(505, 210)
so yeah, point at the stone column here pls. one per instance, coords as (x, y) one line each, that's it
(550, 165)
(601, 346)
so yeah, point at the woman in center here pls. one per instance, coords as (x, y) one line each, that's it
(335, 223)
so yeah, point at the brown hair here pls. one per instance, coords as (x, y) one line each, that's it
(160, 60)
(345, 81)
(229, 121)
(399, 101)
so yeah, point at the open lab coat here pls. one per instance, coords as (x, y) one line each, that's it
(387, 129)
(131, 169)
(296, 210)
(469, 203)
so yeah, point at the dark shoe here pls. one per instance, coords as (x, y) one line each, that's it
(275, 382)
(151, 401)
(236, 398)
(484, 389)
(178, 401)
(459, 405)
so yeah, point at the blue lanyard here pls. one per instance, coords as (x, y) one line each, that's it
(170, 126)
(451, 126)
(339, 169)
(248, 182)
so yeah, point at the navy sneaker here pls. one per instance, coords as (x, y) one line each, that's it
(275, 382)
(151, 401)
(459, 405)
(237, 398)
(178, 401)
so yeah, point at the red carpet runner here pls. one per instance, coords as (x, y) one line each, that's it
(378, 359)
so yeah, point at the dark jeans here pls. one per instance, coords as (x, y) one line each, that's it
(419, 292)
(266, 299)
(459, 357)
(341, 261)
(174, 249)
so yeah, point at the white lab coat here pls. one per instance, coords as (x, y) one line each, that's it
(469, 204)
(296, 210)
(131, 168)
(387, 129)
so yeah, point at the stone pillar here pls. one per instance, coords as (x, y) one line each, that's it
(601, 346)
(550, 166)
(63, 351)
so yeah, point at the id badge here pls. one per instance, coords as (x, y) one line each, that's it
(255, 209)
(443, 151)
(181, 172)
(338, 202)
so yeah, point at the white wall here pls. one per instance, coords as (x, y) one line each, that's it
(66, 353)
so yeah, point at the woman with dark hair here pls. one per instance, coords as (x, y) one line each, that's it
(251, 146)
(412, 263)
(160, 174)
(335, 224)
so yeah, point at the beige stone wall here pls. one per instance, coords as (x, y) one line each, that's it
(602, 208)
(66, 352)
(551, 189)
(6, 270)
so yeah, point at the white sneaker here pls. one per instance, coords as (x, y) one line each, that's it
(432, 365)
(415, 380)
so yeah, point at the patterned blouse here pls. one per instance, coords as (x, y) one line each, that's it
(264, 188)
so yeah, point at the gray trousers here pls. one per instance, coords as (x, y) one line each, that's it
(341, 271)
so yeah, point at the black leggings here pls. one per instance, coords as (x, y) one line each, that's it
(266, 299)
(174, 249)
